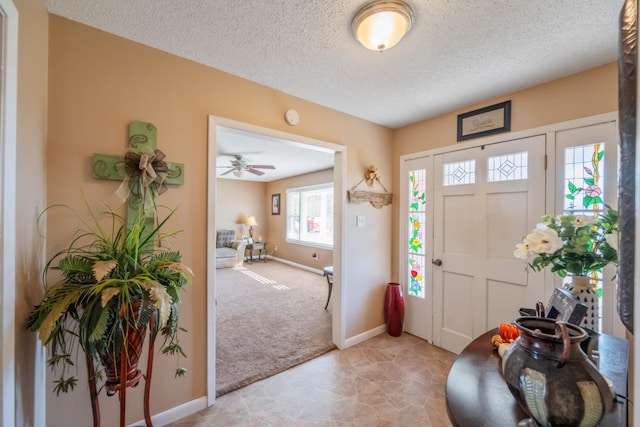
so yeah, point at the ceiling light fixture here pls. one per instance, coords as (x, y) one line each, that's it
(380, 25)
(238, 172)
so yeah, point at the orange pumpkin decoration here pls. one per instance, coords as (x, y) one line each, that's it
(508, 332)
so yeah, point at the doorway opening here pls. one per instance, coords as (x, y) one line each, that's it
(216, 124)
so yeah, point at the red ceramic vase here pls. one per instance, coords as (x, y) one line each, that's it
(394, 309)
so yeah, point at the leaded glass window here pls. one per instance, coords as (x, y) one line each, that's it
(583, 172)
(416, 238)
(459, 173)
(507, 167)
(583, 183)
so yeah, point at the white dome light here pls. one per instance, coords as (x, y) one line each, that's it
(380, 25)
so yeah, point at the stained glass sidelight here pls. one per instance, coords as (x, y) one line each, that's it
(583, 181)
(416, 238)
(583, 172)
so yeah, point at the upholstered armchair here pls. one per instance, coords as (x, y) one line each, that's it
(229, 251)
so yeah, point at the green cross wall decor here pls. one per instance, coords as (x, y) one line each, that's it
(143, 169)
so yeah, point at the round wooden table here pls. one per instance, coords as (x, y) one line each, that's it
(477, 394)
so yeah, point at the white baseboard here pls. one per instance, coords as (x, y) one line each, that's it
(365, 336)
(295, 264)
(174, 414)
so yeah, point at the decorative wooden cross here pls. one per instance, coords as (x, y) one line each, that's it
(142, 167)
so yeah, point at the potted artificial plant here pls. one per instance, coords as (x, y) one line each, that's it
(114, 285)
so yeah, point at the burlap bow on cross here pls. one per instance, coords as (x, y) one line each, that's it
(146, 169)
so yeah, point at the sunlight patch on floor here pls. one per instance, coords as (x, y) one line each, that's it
(260, 279)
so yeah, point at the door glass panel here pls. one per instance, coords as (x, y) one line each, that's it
(583, 172)
(459, 173)
(507, 167)
(417, 225)
(584, 193)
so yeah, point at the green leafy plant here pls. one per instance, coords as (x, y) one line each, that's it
(574, 244)
(112, 280)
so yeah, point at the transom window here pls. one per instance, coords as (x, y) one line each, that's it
(310, 215)
(507, 167)
(459, 173)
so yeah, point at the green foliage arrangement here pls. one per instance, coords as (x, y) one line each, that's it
(113, 279)
(572, 244)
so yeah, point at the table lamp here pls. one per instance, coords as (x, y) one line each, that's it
(251, 221)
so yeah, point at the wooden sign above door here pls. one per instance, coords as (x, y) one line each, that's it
(485, 121)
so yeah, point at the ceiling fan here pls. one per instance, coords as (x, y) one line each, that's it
(239, 166)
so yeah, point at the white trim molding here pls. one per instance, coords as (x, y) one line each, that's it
(8, 131)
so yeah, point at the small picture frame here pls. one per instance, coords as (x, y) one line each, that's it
(485, 121)
(275, 204)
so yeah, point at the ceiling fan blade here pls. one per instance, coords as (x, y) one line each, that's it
(255, 171)
(227, 172)
(238, 155)
(261, 166)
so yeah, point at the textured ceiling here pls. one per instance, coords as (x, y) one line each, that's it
(289, 158)
(458, 52)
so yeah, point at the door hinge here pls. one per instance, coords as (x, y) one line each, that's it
(545, 162)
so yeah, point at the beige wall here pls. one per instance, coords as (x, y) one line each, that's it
(276, 235)
(235, 201)
(98, 83)
(30, 200)
(584, 94)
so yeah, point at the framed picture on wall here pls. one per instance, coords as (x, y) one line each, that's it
(485, 121)
(275, 204)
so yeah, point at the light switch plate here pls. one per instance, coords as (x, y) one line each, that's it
(359, 221)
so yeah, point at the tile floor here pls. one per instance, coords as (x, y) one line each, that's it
(384, 381)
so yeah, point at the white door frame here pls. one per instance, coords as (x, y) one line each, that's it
(339, 264)
(8, 124)
(549, 131)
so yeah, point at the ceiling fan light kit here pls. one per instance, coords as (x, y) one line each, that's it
(239, 166)
(380, 25)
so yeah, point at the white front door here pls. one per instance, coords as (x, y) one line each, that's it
(486, 198)
(415, 265)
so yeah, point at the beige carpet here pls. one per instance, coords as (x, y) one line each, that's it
(270, 317)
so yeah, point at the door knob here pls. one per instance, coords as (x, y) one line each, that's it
(436, 262)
